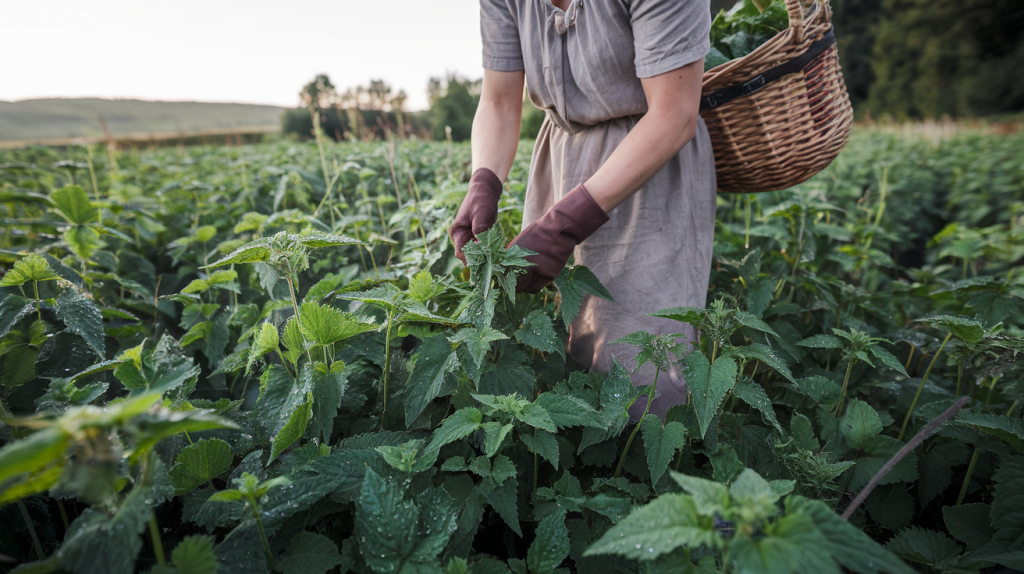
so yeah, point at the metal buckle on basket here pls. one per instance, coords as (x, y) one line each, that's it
(754, 85)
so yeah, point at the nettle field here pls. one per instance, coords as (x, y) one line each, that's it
(266, 358)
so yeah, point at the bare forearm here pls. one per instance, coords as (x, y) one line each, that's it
(655, 139)
(671, 121)
(496, 123)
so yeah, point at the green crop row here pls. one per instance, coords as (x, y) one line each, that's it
(267, 358)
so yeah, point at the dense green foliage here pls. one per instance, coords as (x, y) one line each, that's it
(925, 58)
(267, 357)
(742, 29)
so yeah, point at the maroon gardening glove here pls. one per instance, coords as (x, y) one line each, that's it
(479, 210)
(555, 235)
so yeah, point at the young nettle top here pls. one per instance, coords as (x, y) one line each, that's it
(491, 263)
(31, 268)
(744, 522)
(287, 253)
(99, 438)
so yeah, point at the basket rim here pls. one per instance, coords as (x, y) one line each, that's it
(819, 14)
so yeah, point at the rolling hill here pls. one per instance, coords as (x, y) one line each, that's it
(33, 120)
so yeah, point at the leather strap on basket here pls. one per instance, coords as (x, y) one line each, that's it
(730, 93)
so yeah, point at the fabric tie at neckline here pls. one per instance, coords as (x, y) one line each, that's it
(567, 19)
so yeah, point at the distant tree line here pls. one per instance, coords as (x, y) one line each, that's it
(359, 113)
(904, 58)
(927, 58)
(376, 112)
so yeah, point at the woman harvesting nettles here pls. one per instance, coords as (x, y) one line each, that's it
(622, 173)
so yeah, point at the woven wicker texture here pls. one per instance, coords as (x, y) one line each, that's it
(791, 129)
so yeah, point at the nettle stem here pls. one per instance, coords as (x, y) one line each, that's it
(387, 368)
(639, 423)
(35, 289)
(959, 377)
(263, 533)
(974, 461)
(154, 534)
(906, 419)
(295, 301)
(967, 477)
(536, 471)
(154, 527)
(846, 383)
(31, 530)
(63, 515)
(746, 243)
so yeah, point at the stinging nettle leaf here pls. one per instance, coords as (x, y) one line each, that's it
(544, 444)
(551, 546)
(709, 383)
(199, 462)
(318, 239)
(252, 252)
(1006, 428)
(266, 341)
(753, 322)
(194, 555)
(74, 205)
(924, 546)
(821, 342)
(325, 325)
(848, 545)
(310, 553)
(860, 423)
(12, 309)
(753, 394)
(969, 330)
(691, 315)
(888, 360)
(456, 427)
(328, 388)
(764, 354)
(432, 365)
(293, 429)
(666, 523)
(574, 283)
(32, 267)
(83, 318)
(538, 332)
(661, 443)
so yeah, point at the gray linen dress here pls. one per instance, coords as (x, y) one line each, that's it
(583, 67)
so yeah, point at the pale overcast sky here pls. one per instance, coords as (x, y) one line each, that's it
(253, 51)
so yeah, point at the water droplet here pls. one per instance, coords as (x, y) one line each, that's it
(638, 546)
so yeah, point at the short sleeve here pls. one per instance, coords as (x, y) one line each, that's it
(669, 34)
(500, 35)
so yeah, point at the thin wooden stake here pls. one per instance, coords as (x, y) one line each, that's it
(907, 448)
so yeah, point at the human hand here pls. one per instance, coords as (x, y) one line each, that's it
(479, 210)
(554, 236)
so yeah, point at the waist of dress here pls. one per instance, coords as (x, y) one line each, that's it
(572, 128)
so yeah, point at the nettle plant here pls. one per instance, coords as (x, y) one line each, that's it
(278, 365)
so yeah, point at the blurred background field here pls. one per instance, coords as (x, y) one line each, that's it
(950, 64)
(47, 119)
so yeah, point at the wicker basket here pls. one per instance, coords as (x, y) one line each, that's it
(780, 114)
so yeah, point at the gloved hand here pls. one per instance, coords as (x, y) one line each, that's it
(555, 235)
(479, 210)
